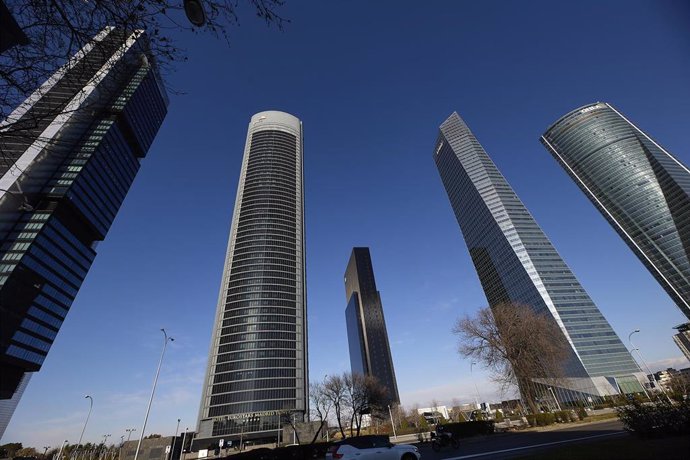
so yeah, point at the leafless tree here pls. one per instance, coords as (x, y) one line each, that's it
(352, 396)
(58, 29)
(517, 344)
(334, 391)
(320, 405)
(364, 395)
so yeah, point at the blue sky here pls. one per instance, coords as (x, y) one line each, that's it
(371, 82)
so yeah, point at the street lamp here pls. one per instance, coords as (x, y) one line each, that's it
(87, 418)
(478, 397)
(182, 446)
(166, 339)
(392, 424)
(61, 447)
(129, 432)
(175, 439)
(639, 353)
(105, 438)
(555, 399)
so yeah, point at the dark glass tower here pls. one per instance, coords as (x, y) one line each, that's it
(640, 188)
(516, 263)
(370, 352)
(257, 368)
(70, 154)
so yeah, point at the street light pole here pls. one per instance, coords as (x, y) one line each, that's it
(61, 447)
(129, 432)
(392, 424)
(476, 390)
(87, 419)
(555, 399)
(172, 453)
(639, 353)
(166, 339)
(182, 446)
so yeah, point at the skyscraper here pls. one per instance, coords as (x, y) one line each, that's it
(639, 187)
(257, 367)
(682, 339)
(70, 153)
(370, 352)
(516, 263)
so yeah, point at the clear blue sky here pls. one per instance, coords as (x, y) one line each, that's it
(371, 81)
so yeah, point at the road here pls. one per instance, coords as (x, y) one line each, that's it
(510, 445)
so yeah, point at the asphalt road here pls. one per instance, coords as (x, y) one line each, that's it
(510, 445)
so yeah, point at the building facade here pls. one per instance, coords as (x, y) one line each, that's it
(517, 263)
(367, 336)
(257, 368)
(640, 188)
(682, 339)
(70, 153)
(8, 406)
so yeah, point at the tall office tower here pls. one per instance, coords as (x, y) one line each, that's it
(69, 155)
(8, 406)
(639, 187)
(516, 263)
(257, 367)
(682, 338)
(370, 352)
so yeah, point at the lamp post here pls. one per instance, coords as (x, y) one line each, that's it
(87, 419)
(476, 390)
(392, 424)
(105, 438)
(166, 339)
(555, 399)
(61, 447)
(129, 432)
(183, 438)
(172, 450)
(639, 353)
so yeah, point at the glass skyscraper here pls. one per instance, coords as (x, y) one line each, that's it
(69, 155)
(257, 368)
(517, 263)
(639, 187)
(367, 337)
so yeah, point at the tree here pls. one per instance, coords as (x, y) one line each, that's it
(365, 395)
(9, 450)
(352, 396)
(27, 452)
(320, 405)
(59, 29)
(518, 345)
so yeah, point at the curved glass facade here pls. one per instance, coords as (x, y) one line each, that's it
(517, 263)
(257, 367)
(640, 188)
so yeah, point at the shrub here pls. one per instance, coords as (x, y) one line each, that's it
(582, 413)
(499, 416)
(531, 419)
(656, 418)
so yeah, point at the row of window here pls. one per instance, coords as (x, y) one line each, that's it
(281, 344)
(255, 395)
(261, 295)
(248, 407)
(255, 354)
(231, 304)
(247, 385)
(252, 375)
(268, 319)
(262, 364)
(255, 336)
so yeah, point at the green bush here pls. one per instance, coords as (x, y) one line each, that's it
(656, 418)
(582, 413)
(499, 416)
(541, 419)
(565, 416)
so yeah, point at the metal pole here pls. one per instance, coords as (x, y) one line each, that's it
(172, 453)
(87, 419)
(392, 423)
(555, 399)
(129, 432)
(61, 447)
(478, 397)
(153, 391)
(182, 446)
(645, 362)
